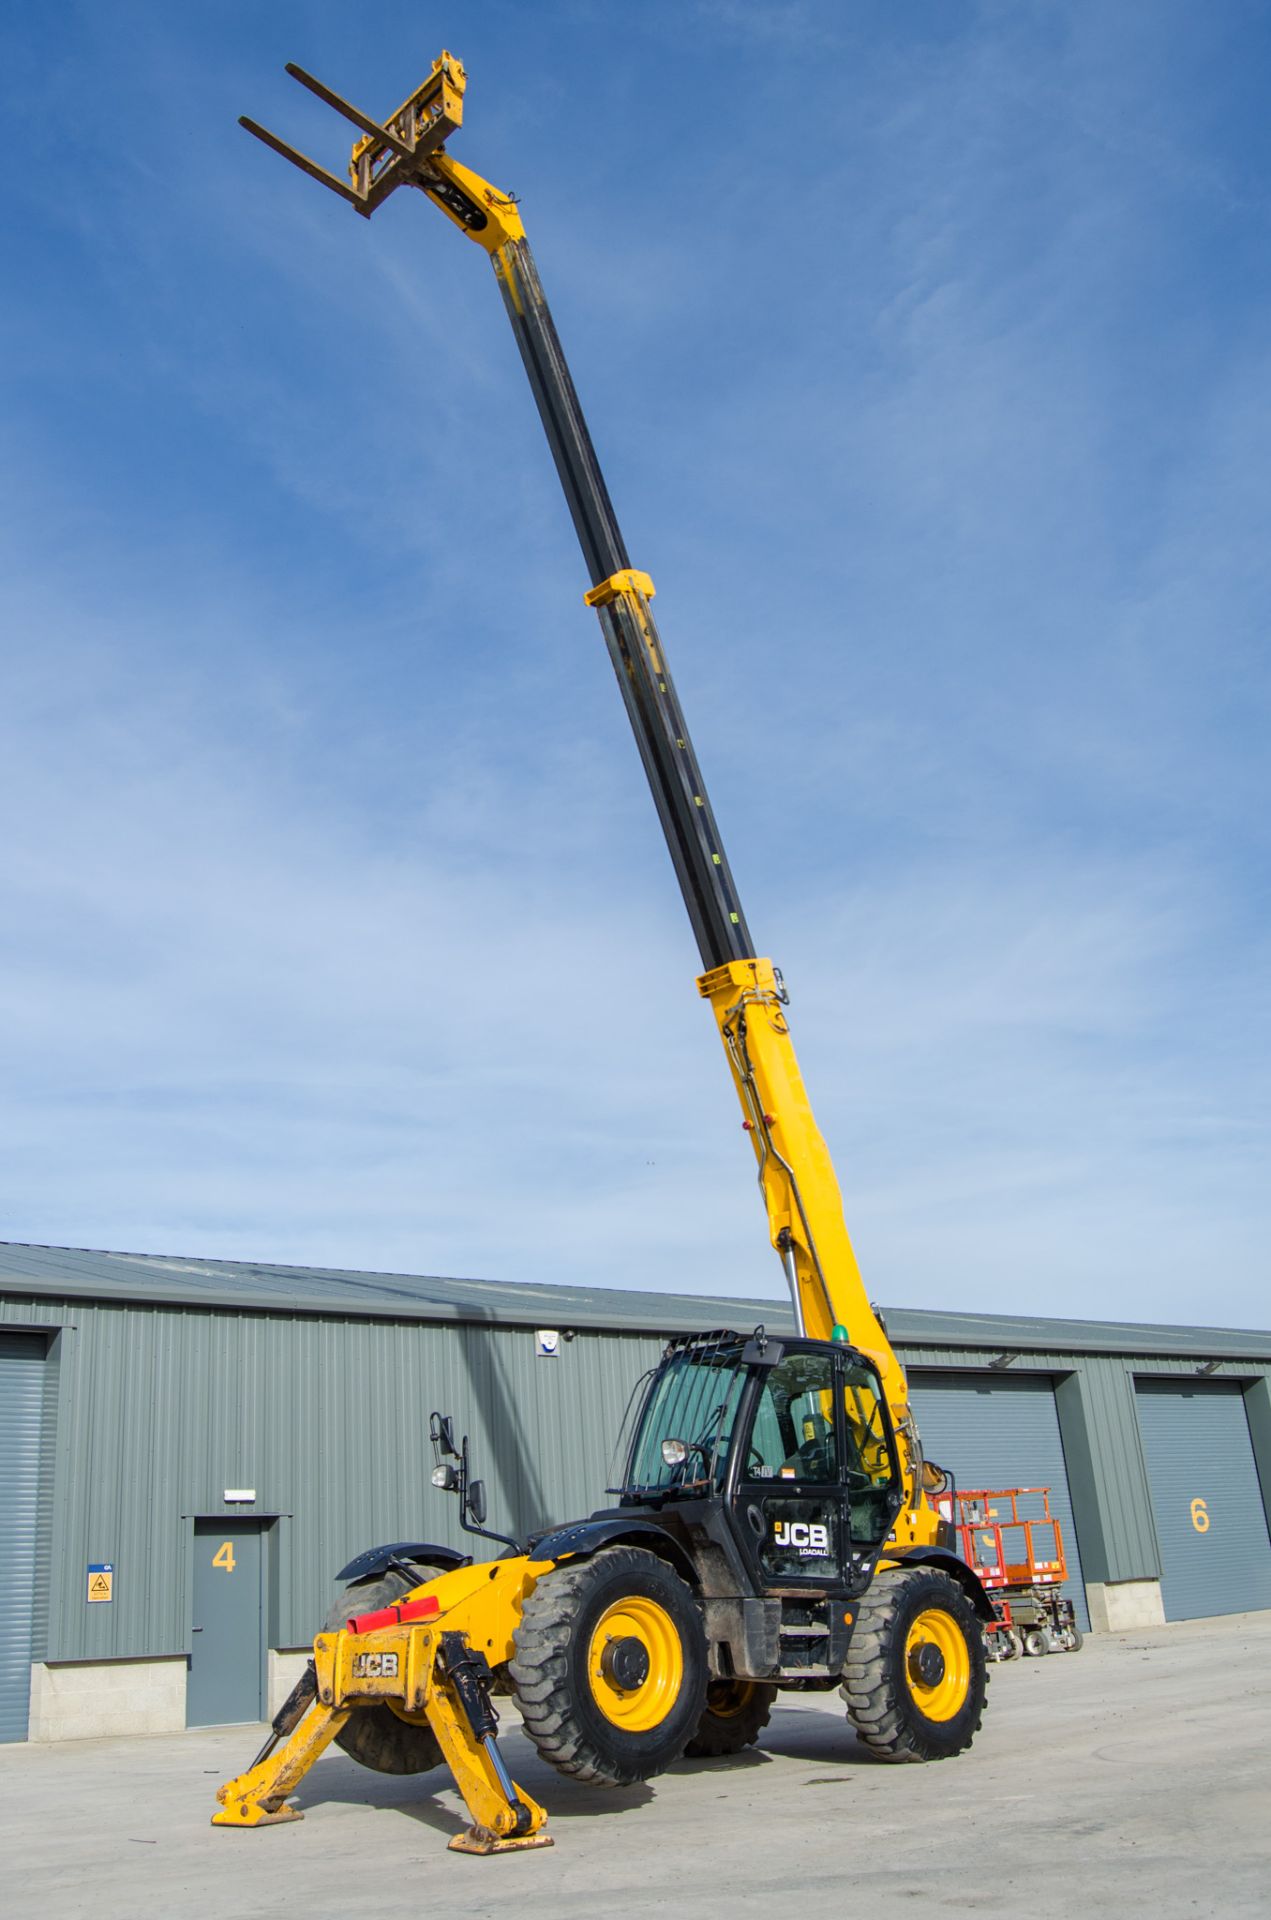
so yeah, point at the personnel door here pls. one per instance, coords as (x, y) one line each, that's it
(227, 1657)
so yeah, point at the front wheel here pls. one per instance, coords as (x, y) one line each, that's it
(916, 1669)
(609, 1669)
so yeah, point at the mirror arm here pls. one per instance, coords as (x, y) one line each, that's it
(468, 1524)
(488, 1533)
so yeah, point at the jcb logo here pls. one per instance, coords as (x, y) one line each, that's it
(375, 1666)
(806, 1536)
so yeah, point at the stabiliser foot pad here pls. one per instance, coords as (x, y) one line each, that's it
(481, 1840)
(241, 1816)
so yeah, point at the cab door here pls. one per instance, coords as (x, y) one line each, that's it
(790, 1497)
(818, 1483)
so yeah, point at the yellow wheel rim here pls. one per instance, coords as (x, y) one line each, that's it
(939, 1686)
(728, 1698)
(635, 1664)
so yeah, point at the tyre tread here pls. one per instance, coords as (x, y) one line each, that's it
(540, 1667)
(871, 1691)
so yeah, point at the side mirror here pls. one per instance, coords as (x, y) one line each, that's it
(934, 1478)
(441, 1433)
(476, 1501)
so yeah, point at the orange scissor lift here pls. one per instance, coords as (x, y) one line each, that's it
(1019, 1556)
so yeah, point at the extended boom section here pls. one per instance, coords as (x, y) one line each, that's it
(796, 1175)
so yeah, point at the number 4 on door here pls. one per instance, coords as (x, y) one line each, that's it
(224, 1556)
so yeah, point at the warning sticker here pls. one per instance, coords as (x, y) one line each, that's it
(101, 1581)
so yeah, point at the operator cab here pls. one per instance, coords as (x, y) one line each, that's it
(790, 1439)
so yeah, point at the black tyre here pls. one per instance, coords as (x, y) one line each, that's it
(1073, 1639)
(735, 1714)
(610, 1666)
(379, 1736)
(1036, 1643)
(916, 1670)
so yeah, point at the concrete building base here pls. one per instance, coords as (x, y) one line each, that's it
(286, 1664)
(83, 1700)
(1122, 1606)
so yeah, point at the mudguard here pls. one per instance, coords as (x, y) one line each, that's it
(379, 1559)
(585, 1537)
(953, 1565)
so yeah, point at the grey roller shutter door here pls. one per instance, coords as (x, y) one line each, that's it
(1001, 1433)
(1211, 1525)
(21, 1409)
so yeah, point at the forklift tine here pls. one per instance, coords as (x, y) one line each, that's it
(358, 118)
(305, 165)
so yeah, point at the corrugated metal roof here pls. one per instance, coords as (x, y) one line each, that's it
(191, 1281)
(103, 1275)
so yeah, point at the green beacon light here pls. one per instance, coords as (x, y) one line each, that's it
(840, 1332)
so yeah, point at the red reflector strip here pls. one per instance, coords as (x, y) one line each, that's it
(396, 1616)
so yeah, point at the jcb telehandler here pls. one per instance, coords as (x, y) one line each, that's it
(772, 1526)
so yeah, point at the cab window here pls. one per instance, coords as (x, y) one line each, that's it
(792, 1437)
(869, 1467)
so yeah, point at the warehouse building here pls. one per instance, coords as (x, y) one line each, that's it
(191, 1448)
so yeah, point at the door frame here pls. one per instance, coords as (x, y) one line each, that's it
(740, 1487)
(264, 1524)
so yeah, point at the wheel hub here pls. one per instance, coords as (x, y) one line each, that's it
(937, 1664)
(625, 1663)
(635, 1660)
(926, 1664)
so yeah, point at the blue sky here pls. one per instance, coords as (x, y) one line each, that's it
(926, 350)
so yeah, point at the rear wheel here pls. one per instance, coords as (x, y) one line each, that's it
(916, 1669)
(610, 1666)
(1072, 1639)
(381, 1737)
(1036, 1643)
(735, 1714)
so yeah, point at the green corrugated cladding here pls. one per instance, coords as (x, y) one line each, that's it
(161, 1411)
(161, 1407)
(1258, 1409)
(1098, 1422)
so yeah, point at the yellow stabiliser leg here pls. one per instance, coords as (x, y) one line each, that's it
(258, 1798)
(504, 1817)
(421, 1671)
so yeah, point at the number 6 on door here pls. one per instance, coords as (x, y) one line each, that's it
(1200, 1516)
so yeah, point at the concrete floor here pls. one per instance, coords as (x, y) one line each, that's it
(1133, 1776)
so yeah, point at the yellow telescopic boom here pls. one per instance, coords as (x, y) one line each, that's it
(746, 993)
